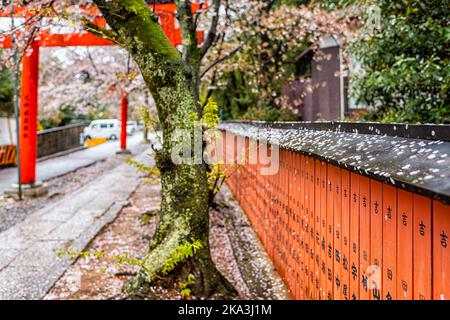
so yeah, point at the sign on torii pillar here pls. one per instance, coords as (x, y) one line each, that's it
(30, 76)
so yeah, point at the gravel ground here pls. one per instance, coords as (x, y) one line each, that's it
(13, 212)
(102, 278)
(235, 249)
(246, 264)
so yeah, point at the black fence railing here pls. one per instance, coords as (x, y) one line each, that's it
(60, 139)
(413, 157)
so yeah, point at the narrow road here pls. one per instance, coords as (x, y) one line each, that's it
(58, 166)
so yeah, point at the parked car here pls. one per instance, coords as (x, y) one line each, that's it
(132, 127)
(105, 128)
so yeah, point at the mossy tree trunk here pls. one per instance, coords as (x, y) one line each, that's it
(184, 205)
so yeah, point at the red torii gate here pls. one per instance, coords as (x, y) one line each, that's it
(30, 75)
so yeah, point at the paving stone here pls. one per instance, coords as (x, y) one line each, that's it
(22, 235)
(7, 256)
(41, 254)
(73, 227)
(20, 283)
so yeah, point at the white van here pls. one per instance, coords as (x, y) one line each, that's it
(132, 127)
(105, 128)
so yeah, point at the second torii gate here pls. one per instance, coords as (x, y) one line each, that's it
(30, 76)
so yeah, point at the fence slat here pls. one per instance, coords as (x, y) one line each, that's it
(364, 236)
(330, 234)
(323, 228)
(422, 247)
(335, 176)
(441, 251)
(307, 226)
(389, 267)
(404, 245)
(376, 238)
(355, 272)
(312, 283)
(317, 229)
(345, 234)
(297, 252)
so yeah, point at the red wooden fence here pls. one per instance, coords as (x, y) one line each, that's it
(336, 234)
(7, 155)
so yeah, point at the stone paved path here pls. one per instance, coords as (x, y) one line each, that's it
(30, 261)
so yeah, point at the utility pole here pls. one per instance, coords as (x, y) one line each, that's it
(16, 102)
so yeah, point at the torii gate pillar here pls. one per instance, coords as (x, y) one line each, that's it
(28, 126)
(123, 125)
(28, 115)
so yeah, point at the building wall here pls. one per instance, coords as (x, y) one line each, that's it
(7, 131)
(319, 97)
(326, 96)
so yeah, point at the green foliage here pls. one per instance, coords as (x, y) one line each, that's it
(406, 62)
(6, 92)
(150, 122)
(239, 99)
(268, 113)
(210, 117)
(253, 91)
(151, 172)
(48, 122)
(182, 253)
(67, 114)
(119, 260)
(287, 2)
(184, 286)
(216, 177)
(82, 254)
(185, 293)
(141, 166)
(126, 259)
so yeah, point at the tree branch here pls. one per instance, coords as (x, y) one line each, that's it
(221, 59)
(102, 32)
(210, 89)
(92, 61)
(188, 26)
(212, 32)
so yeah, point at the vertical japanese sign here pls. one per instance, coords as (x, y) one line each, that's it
(389, 267)
(345, 256)
(441, 251)
(318, 229)
(335, 177)
(422, 247)
(323, 229)
(376, 239)
(330, 233)
(404, 245)
(354, 237)
(364, 236)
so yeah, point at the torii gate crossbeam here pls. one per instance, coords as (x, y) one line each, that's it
(30, 76)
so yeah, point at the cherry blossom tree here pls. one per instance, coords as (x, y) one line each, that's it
(252, 36)
(99, 73)
(260, 41)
